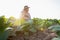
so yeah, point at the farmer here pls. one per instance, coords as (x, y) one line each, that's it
(25, 16)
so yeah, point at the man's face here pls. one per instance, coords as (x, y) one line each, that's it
(26, 9)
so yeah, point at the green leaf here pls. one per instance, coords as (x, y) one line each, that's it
(55, 27)
(4, 35)
(56, 39)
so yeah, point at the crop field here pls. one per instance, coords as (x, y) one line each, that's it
(35, 29)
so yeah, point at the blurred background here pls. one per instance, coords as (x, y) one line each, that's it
(38, 8)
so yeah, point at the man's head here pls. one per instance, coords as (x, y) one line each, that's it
(26, 8)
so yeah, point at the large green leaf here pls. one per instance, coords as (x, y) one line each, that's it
(55, 28)
(56, 39)
(4, 35)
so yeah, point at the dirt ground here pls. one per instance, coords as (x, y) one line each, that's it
(39, 35)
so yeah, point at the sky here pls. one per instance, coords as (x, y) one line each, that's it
(38, 8)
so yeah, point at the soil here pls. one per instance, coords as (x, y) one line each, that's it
(39, 35)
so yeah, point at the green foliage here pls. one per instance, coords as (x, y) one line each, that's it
(4, 35)
(11, 20)
(3, 25)
(56, 39)
(55, 28)
(58, 33)
(28, 26)
(37, 23)
(59, 22)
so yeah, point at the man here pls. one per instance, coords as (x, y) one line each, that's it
(25, 16)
